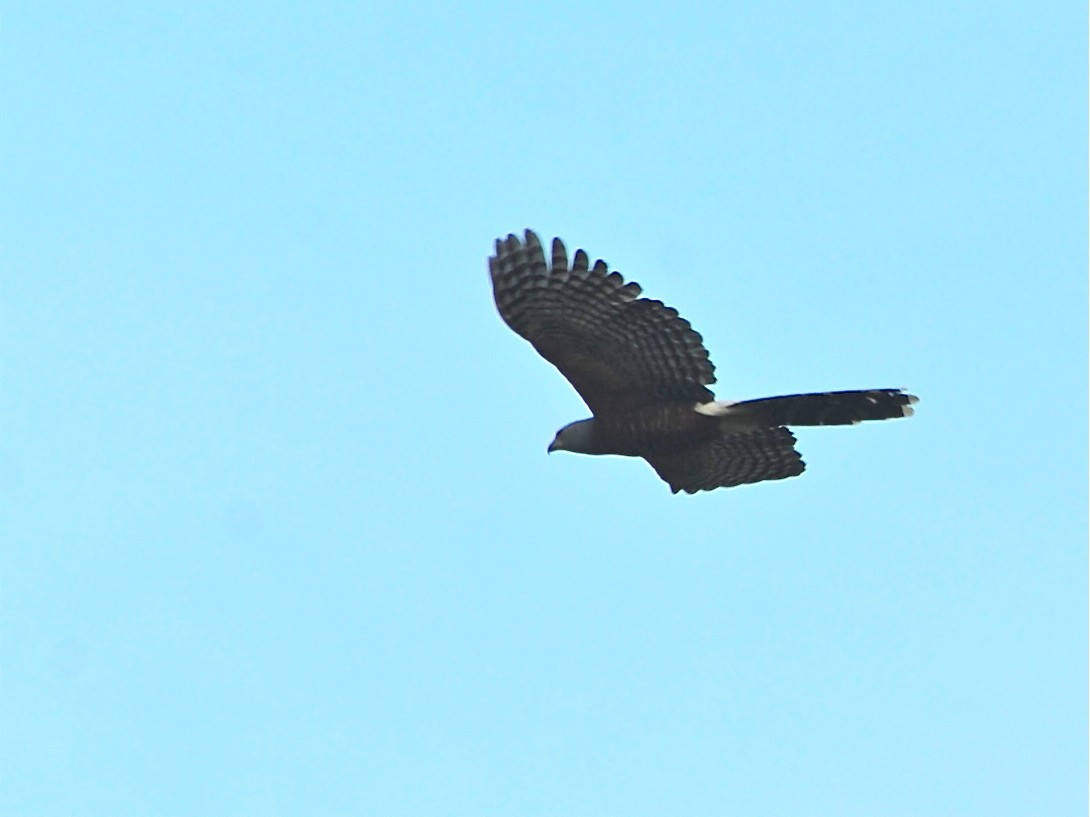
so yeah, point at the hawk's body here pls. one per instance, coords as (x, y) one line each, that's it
(644, 373)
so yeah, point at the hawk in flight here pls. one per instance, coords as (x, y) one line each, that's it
(644, 373)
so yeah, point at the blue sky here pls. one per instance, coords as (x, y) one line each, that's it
(278, 533)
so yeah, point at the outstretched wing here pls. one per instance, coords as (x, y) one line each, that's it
(619, 351)
(733, 459)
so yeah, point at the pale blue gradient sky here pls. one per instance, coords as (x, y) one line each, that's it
(278, 534)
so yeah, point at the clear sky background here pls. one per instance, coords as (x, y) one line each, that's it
(278, 533)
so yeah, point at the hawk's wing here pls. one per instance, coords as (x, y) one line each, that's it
(733, 459)
(619, 351)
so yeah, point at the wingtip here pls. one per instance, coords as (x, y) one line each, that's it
(560, 256)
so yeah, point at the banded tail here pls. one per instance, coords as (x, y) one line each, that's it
(832, 408)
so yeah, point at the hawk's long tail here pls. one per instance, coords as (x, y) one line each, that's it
(832, 408)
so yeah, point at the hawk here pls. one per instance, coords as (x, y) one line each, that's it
(644, 373)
